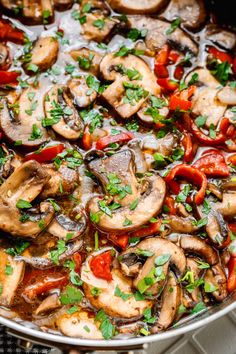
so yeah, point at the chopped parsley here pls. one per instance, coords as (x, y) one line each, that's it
(174, 25)
(123, 296)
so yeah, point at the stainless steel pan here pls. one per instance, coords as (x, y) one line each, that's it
(29, 334)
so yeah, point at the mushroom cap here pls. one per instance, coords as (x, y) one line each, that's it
(138, 6)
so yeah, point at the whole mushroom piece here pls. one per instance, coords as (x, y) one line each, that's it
(138, 6)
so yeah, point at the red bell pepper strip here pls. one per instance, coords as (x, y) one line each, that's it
(167, 84)
(180, 100)
(162, 56)
(188, 147)
(213, 165)
(104, 142)
(231, 282)
(161, 71)
(190, 173)
(78, 261)
(120, 240)
(170, 204)
(47, 154)
(45, 284)
(234, 65)
(178, 73)
(205, 139)
(9, 33)
(218, 54)
(87, 140)
(147, 230)
(101, 265)
(173, 56)
(8, 77)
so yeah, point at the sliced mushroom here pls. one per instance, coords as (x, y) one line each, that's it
(9, 282)
(228, 205)
(26, 182)
(149, 202)
(69, 124)
(138, 6)
(195, 245)
(80, 92)
(139, 159)
(44, 261)
(159, 247)
(164, 146)
(158, 34)
(146, 117)
(191, 12)
(44, 54)
(227, 95)
(181, 224)
(193, 266)
(171, 299)
(216, 277)
(220, 36)
(62, 5)
(115, 93)
(62, 226)
(49, 304)
(120, 165)
(11, 5)
(6, 167)
(19, 125)
(91, 57)
(62, 181)
(79, 325)
(98, 33)
(34, 11)
(107, 300)
(205, 100)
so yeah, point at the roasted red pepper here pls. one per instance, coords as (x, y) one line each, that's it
(180, 100)
(87, 139)
(205, 139)
(120, 240)
(193, 175)
(46, 154)
(8, 77)
(213, 165)
(9, 33)
(78, 261)
(231, 282)
(173, 56)
(167, 84)
(163, 55)
(178, 73)
(170, 204)
(219, 55)
(161, 71)
(104, 142)
(188, 147)
(101, 265)
(147, 230)
(232, 159)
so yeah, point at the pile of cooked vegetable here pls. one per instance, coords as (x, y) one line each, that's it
(117, 164)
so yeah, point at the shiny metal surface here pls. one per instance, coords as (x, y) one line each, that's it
(32, 334)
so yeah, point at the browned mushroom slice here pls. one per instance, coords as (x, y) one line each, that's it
(49, 304)
(37, 11)
(62, 5)
(191, 12)
(205, 100)
(144, 83)
(62, 181)
(158, 34)
(107, 300)
(220, 36)
(138, 6)
(171, 299)
(20, 123)
(67, 123)
(181, 224)
(4, 57)
(139, 158)
(25, 183)
(228, 205)
(145, 115)
(156, 248)
(97, 27)
(67, 229)
(79, 325)
(193, 267)
(11, 5)
(227, 95)
(82, 95)
(164, 146)
(44, 55)
(6, 167)
(121, 167)
(11, 273)
(216, 282)
(194, 244)
(88, 60)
